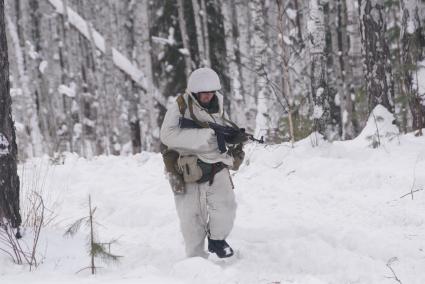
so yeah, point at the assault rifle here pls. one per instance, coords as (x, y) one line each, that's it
(225, 134)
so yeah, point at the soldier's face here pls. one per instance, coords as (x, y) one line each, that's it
(205, 97)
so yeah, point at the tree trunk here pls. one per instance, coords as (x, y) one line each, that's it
(185, 38)
(236, 102)
(150, 131)
(205, 32)
(319, 84)
(341, 43)
(376, 54)
(283, 30)
(44, 104)
(259, 48)
(9, 180)
(411, 53)
(203, 60)
(30, 116)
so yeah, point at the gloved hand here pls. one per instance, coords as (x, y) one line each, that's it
(237, 137)
(238, 156)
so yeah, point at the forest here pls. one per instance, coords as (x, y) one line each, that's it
(95, 77)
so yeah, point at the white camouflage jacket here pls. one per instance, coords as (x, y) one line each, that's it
(199, 142)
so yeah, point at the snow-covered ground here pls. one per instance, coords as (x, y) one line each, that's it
(325, 214)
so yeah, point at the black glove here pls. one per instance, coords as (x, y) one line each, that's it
(237, 137)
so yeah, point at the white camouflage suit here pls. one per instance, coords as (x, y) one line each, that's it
(204, 209)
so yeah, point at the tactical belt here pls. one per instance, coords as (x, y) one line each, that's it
(209, 171)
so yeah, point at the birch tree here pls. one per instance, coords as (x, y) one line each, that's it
(319, 85)
(30, 117)
(259, 47)
(150, 131)
(45, 111)
(185, 38)
(237, 104)
(412, 38)
(245, 53)
(341, 68)
(376, 55)
(204, 58)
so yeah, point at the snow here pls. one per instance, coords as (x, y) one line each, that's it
(317, 111)
(43, 66)
(291, 13)
(184, 51)
(420, 82)
(379, 125)
(325, 214)
(287, 40)
(4, 145)
(162, 40)
(67, 91)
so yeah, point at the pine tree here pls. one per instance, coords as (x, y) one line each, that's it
(95, 248)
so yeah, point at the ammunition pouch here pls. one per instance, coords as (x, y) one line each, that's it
(175, 178)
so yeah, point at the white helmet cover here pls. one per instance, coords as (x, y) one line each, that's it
(203, 80)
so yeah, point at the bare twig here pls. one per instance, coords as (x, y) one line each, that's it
(389, 263)
(414, 181)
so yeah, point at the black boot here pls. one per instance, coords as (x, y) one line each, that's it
(220, 247)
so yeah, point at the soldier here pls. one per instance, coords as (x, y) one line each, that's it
(204, 196)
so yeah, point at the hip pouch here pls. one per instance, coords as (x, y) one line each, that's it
(190, 168)
(175, 178)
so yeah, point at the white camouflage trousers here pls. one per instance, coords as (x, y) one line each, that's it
(206, 210)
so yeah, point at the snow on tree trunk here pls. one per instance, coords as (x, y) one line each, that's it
(412, 52)
(340, 43)
(354, 71)
(30, 117)
(40, 83)
(203, 60)
(205, 32)
(237, 106)
(260, 56)
(376, 54)
(185, 38)
(9, 180)
(132, 92)
(283, 31)
(109, 85)
(245, 57)
(150, 130)
(319, 85)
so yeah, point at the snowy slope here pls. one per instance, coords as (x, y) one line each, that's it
(325, 214)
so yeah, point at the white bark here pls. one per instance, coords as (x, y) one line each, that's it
(143, 58)
(319, 91)
(205, 32)
(237, 106)
(259, 46)
(185, 38)
(36, 148)
(204, 61)
(248, 85)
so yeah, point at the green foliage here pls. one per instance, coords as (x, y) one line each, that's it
(99, 250)
(303, 126)
(95, 248)
(75, 227)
